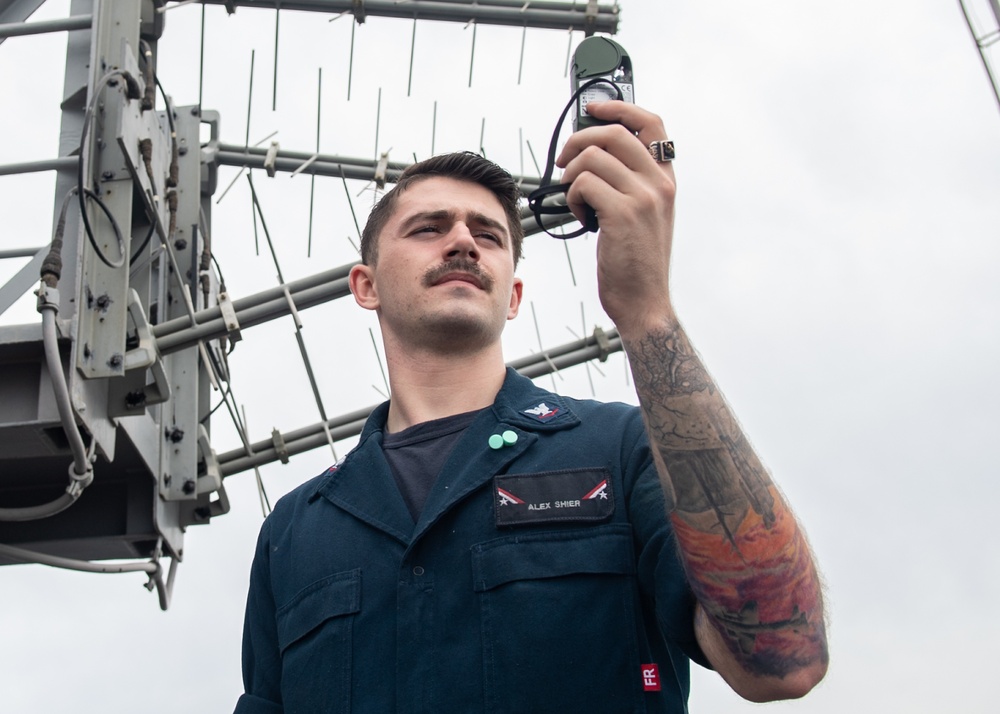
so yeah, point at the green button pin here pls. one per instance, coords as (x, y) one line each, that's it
(510, 437)
(496, 441)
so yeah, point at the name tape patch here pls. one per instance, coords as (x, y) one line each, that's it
(553, 496)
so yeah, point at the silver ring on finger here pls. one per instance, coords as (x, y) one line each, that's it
(662, 151)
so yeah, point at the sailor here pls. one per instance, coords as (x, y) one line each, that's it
(490, 546)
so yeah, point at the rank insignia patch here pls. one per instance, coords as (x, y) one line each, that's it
(541, 412)
(553, 497)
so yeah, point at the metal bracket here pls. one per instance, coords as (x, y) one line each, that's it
(381, 169)
(229, 317)
(211, 480)
(590, 18)
(271, 158)
(601, 338)
(280, 448)
(144, 356)
(291, 307)
(359, 11)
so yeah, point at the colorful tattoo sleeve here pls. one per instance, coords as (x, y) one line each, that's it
(746, 558)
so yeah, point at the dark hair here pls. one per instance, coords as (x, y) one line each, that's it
(463, 166)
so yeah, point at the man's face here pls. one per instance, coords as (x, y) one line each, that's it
(445, 269)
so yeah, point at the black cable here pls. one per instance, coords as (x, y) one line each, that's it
(173, 174)
(547, 189)
(151, 78)
(142, 246)
(218, 269)
(229, 386)
(83, 193)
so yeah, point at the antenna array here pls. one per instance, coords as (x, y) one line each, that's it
(105, 404)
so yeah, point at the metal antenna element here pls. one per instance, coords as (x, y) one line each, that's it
(272, 134)
(569, 53)
(253, 210)
(520, 64)
(244, 166)
(520, 148)
(472, 53)
(482, 136)
(541, 350)
(201, 59)
(350, 202)
(179, 3)
(246, 142)
(985, 40)
(583, 326)
(589, 18)
(230, 185)
(293, 310)
(305, 165)
(265, 503)
(569, 260)
(312, 182)
(378, 356)
(378, 119)
(350, 63)
(434, 123)
(274, 91)
(413, 46)
(533, 159)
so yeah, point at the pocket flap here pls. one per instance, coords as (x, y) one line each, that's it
(601, 550)
(333, 596)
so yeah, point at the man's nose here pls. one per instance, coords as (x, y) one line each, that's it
(461, 243)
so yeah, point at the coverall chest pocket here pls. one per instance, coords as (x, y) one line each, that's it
(559, 621)
(314, 636)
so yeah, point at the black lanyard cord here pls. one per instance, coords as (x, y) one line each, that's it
(546, 188)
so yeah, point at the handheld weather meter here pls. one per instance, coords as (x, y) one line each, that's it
(599, 58)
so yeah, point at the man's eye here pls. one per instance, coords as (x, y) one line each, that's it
(427, 229)
(490, 236)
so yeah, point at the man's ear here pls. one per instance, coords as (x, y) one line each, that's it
(515, 298)
(362, 283)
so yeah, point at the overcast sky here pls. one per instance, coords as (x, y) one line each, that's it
(835, 262)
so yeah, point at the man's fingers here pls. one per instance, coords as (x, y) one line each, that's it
(647, 125)
(628, 138)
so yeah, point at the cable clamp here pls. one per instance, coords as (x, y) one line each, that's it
(78, 482)
(280, 448)
(229, 317)
(590, 18)
(48, 298)
(359, 11)
(143, 356)
(271, 159)
(381, 169)
(211, 480)
(603, 343)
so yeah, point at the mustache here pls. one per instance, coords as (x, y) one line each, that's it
(458, 265)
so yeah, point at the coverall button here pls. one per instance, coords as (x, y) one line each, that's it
(418, 570)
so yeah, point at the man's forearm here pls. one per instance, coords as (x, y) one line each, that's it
(747, 560)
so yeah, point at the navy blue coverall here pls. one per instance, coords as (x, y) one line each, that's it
(542, 576)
